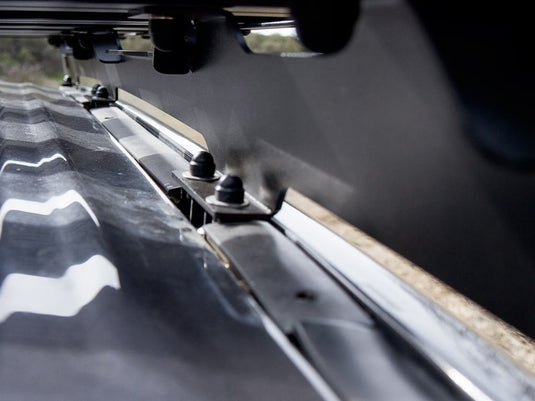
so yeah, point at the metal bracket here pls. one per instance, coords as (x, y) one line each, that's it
(104, 45)
(200, 193)
(98, 97)
(105, 41)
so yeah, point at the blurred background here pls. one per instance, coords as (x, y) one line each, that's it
(30, 60)
(34, 60)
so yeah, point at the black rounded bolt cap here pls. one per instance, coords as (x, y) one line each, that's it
(229, 189)
(202, 165)
(67, 80)
(94, 89)
(102, 92)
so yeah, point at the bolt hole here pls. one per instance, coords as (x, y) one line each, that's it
(187, 230)
(305, 295)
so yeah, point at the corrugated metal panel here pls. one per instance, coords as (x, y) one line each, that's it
(106, 291)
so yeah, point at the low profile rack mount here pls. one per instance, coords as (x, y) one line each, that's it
(372, 125)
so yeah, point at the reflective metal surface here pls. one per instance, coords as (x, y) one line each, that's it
(62, 296)
(354, 353)
(106, 291)
(475, 366)
(376, 134)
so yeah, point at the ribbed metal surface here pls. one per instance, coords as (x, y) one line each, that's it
(106, 291)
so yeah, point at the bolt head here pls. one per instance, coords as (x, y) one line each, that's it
(94, 89)
(67, 80)
(229, 189)
(102, 92)
(202, 165)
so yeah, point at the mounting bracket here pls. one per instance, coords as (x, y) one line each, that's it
(105, 41)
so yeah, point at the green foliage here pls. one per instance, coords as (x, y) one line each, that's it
(29, 60)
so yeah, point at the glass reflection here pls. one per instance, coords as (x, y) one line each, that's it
(56, 156)
(64, 296)
(45, 208)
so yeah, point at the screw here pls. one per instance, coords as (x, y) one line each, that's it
(229, 189)
(202, 165)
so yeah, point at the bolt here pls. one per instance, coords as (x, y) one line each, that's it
(102, 92)
(67, 80)
(229, 189)
(202, 165)
(94, 89)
